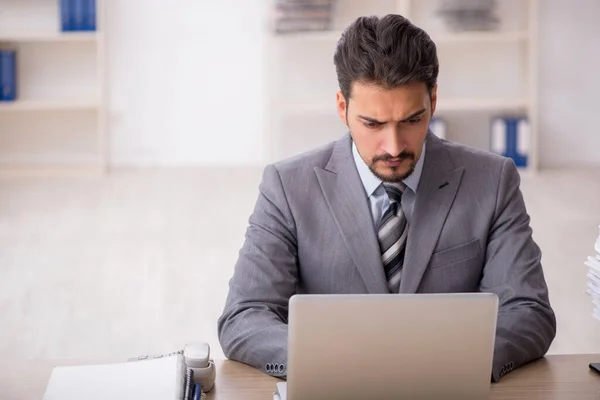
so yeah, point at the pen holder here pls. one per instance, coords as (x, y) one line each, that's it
(205, 376)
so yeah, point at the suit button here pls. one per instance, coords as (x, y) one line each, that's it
(268, 367)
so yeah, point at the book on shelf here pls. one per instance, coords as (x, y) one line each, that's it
(78, 15)
(469, 15)
(303, 15)
(8, 75)
(593, 278)
(510, 138)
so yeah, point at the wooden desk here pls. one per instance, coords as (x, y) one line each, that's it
(555, 377)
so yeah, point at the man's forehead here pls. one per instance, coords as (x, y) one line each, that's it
(388, 104)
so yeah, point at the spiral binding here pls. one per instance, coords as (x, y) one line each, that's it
(189, 383)
(155, 356)
(189, 373)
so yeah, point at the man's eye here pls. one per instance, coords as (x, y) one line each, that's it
(371, 124)
(414, 120)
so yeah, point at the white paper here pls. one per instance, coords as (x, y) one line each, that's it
(498, 144)
(282, 390)
(523, 135)
(593, 279)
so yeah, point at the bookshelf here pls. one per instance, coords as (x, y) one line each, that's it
(483, 74)
(48, 37)
(57, 124)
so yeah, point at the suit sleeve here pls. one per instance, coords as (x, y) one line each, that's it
(526, 322)
(253, 326)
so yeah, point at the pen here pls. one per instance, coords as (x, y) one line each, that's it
(197, 391)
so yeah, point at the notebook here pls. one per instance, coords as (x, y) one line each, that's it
(156, 379)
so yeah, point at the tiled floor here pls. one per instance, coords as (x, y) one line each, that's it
(139, 262)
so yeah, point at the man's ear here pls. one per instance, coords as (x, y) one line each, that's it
(433, 98)
(341, 107)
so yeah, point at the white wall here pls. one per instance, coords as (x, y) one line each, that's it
(185, 82)
(569, 83)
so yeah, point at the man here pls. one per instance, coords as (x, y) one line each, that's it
(389, 208)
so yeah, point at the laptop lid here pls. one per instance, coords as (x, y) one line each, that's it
(383, 346)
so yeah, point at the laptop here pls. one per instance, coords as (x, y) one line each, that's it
(391, 346)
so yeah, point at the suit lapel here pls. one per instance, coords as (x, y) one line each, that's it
(345, 196)
(437, 189)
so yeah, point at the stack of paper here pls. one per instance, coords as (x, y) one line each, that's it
(593, 264)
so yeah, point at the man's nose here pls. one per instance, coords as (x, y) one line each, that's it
(393, 143)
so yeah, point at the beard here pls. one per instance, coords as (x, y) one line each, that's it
(394, 174)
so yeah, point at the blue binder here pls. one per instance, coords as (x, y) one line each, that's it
(510, 138)
(90, 15)
(78, 9)
(66, 15)
(78, 15)
(8, 75)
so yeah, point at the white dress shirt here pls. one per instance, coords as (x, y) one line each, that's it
(378, 198)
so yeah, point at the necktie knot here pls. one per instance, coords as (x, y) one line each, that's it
(394, 191)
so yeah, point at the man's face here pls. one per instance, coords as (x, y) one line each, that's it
(388, 126)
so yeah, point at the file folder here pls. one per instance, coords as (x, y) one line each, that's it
(510, 137)
(8, 75)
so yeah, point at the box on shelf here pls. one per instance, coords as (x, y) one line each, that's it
(78, 15)
(469, 15)
(303, 15)
(8, 75)
(510, 138)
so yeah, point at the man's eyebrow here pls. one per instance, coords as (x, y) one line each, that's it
(375, 121)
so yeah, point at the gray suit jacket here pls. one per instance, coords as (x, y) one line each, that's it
(312, 232)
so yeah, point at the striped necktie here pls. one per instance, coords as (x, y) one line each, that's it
(392, 234)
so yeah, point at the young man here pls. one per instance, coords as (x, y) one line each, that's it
(389, 208)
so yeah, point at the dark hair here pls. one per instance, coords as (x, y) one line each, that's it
(388, 51)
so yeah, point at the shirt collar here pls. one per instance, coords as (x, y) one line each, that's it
(371, 182)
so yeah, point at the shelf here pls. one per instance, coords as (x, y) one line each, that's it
(48, 105)
(481, 37)
(479, 104)
(58, 124)
(55, 170)
(446, 105)
(48, 37)
(325, 36)
(441, 37)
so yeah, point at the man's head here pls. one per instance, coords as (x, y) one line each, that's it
(387, 71)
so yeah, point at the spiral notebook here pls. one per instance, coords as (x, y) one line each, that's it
(156, 379)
